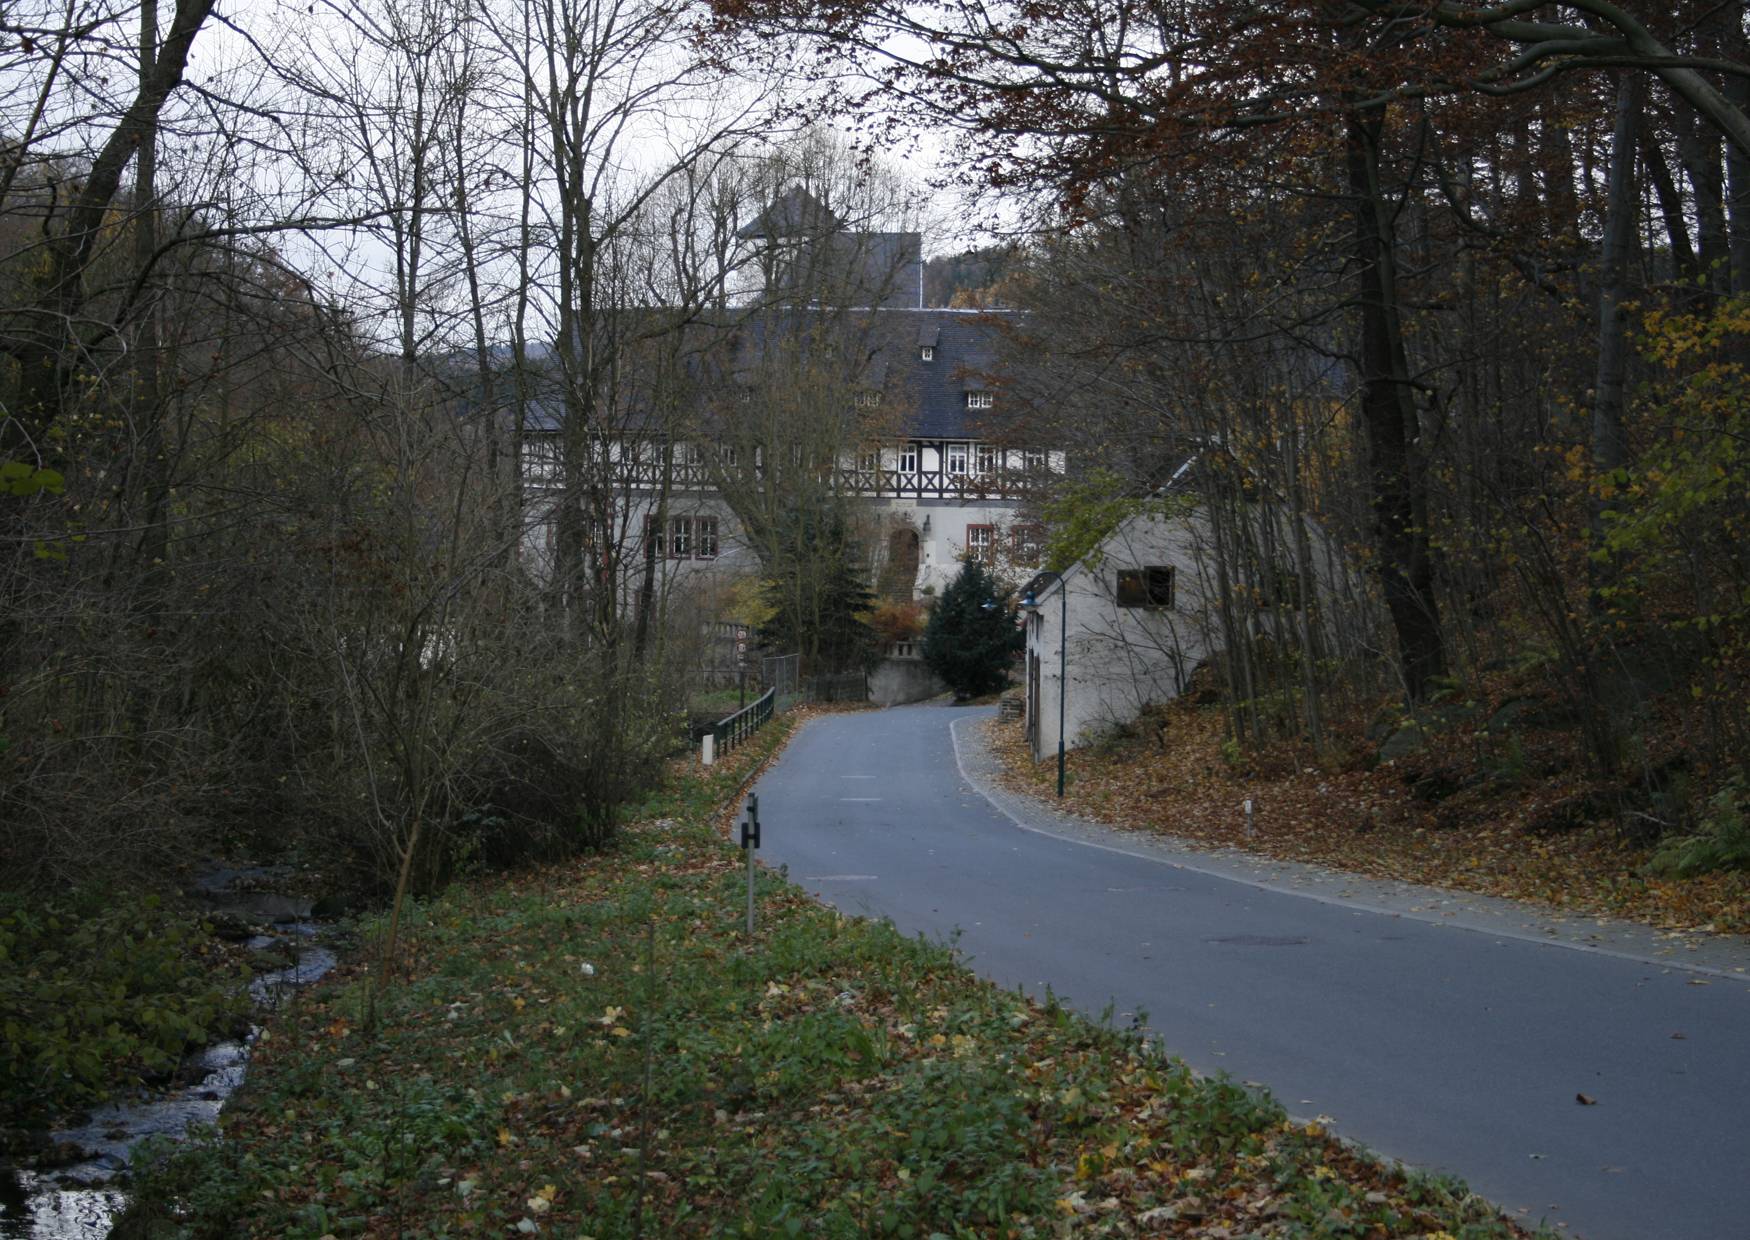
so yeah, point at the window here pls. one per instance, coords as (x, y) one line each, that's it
(705, 538)
(908, 459)
(688, 537)
(957, 459)
(927, 353)
(727, 455)
(1027, 543)
(868, 460)
(1145, 587)
(978, 400)
(981, 542)
(542, 459)
(796, 454)
(868, 400)
(1033, 462)
(986, 459)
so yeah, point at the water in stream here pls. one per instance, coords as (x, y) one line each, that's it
(81, 1200)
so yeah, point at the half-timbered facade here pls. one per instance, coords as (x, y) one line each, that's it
(943, 477)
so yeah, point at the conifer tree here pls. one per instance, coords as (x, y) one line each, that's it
(968, 642)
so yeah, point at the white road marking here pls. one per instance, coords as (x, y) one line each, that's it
(840, 878)
(860, 800)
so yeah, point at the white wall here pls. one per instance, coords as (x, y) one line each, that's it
(941, 546)
(734, 557)
(1119, 659)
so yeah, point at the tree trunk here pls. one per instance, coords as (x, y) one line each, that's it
(1609, 440)
(1698, 146)
(1683, 259)
(1389, 417)
(45, 356)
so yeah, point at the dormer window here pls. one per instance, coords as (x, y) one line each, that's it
(868, 400)
(978, 400)
(927, 352)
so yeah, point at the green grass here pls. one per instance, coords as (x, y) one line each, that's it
(829, 1078)
(721, 702)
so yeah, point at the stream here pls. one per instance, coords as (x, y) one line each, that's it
(78, 1193)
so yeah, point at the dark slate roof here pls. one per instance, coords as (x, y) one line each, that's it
(796, 213)
(965, 361)
(883, 355)
(931, 396)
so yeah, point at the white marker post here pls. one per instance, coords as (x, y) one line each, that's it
(708, 748)
(1251, 828)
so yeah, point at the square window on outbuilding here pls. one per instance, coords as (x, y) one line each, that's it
(1145, 587)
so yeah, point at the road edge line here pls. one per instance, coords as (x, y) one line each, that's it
(995, 797)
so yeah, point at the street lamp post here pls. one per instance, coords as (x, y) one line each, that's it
(1031, 603)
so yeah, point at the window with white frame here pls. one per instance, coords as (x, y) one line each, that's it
(985, 459)
(927, 353)
(542, 459)
(1027, 543)
(704, 538)
(1033, 462)
(957, 460)
(868, 459)
(656, 545)
(981, 542)
(680, 537)
(908, 459)
(727, 455)
(868, 400)
(978, 400)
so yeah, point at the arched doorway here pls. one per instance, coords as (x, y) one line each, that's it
(899, 575)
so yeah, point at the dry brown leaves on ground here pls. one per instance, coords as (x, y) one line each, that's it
(1504, 838)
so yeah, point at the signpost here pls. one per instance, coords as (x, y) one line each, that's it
(750, 842)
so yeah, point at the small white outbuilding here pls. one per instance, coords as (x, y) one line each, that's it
(1140, 614)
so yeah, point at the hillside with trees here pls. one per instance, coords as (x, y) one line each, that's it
(1463, 285)
(356, 360)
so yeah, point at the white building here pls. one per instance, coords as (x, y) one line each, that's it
(941, 483)
(1141, 616)
(836, 356)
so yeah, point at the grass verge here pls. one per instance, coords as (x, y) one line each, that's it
(596, 1050)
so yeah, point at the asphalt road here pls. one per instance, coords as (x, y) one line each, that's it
(1454, 1047)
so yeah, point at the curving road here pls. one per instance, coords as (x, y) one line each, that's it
(1451, 1032)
